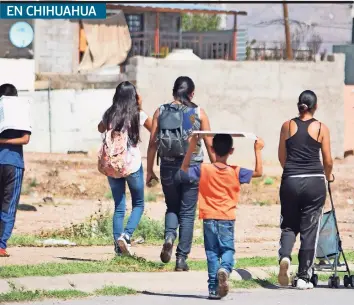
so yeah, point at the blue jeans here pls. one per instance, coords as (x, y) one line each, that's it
(181, 201)
(136, 186)
(219, 247)
(10, 190)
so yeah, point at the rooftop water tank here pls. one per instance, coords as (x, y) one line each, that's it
(182, 54)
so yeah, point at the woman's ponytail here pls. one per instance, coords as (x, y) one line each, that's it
(183, 89)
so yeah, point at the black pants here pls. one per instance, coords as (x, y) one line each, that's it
(181, 201)
(302, 200)
(10, 190)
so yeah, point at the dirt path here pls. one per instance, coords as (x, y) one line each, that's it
(63, 189)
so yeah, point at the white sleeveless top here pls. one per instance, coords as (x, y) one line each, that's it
(134, 151)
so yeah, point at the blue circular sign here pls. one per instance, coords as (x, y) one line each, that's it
(21, 34)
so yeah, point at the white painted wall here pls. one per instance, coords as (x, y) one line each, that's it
(19, 72)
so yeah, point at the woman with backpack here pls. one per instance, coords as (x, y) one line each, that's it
(172, 124)
(120, 160)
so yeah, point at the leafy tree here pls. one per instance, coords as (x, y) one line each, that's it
(200, 22)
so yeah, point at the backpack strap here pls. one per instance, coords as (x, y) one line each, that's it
(161, 109)
(198, 112)
(319, 131)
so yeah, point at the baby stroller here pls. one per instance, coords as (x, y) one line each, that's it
(329, 250)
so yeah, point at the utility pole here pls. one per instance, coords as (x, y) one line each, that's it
(289, 50)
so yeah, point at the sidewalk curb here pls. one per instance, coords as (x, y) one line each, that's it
(139, 281)
(156, 282)
(4, 286)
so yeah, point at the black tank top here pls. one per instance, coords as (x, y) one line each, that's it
(303, 152)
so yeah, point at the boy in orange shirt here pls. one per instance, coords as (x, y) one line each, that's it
(219, 188)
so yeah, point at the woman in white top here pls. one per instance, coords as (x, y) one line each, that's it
(126, 112)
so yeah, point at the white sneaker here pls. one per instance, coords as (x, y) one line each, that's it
(283, 276)
(302, 284)
(124, 244)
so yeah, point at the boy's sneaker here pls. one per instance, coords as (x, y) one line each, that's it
(167, 248)
(181, 264)
(124, 244)
(213, 295)
(223, 279)
(283, 276)
(116, 249)
(3, 253)
(303, 284)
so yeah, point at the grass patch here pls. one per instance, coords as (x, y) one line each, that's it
(18, 295)
(33, 183)
(268, 181)
(267, 225)
(263, 202)
(255, 283)
(23, 296)
(23, 240)
(27, 188)
(108, 195)
(96, 230)
(118, 264)
(256, 181)
(150, 197)
(115, 291)
(129, 264)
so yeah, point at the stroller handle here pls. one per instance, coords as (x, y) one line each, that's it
(331, 181)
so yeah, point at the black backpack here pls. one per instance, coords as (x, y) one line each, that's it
(172, 139)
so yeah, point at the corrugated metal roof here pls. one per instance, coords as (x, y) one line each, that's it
(187, 7)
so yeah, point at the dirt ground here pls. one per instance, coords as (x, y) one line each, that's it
(62, 189)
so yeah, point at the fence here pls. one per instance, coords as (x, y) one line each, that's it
(206, 45)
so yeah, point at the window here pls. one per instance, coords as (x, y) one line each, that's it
(135, 22)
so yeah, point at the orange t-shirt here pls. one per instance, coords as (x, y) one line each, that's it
(219, 188)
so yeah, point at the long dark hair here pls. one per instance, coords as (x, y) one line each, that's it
(182, 89)
(307, 101)
(8, 90)
(124, 112)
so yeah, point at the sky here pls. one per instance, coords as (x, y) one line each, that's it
(334, 21)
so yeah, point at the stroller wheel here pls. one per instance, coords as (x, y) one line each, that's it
(351, 281)
(330, 282)
(314, 280)
(346, 281)
(336, 282)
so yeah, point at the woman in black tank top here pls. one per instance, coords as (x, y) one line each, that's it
(303, 189)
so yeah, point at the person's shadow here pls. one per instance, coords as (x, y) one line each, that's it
(244, 274)
(26, 207)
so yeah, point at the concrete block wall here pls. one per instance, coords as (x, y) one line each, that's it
(56, 46)
(74, 117)
(349, 118)
(250, 96)
(245, 96)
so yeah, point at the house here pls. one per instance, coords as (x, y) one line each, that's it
(155, 30)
